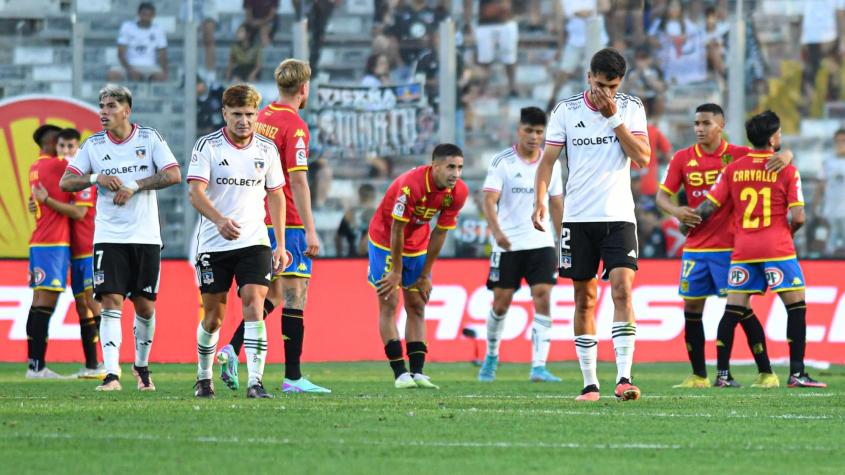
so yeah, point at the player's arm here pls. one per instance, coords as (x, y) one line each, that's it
(228, 228)
(556, 210)
(78, 175)
(276, 203)
(779, 161)
(387, 285)
(541, 183)
(302, 199)
(685, 214)
(491, 200)
(636, 147)
(40, 195)
(798, 218)
(705, 210)
(435, 245)
(162, 62)
(162, 179)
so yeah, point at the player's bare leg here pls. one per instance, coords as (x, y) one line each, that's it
(144, 330)
(111, 336)
(295, 294)
(796, 335)
(37, 326)
(624, 331)
(502, 299)
(392, 344)
(586, 342)
(415, 337)
(541, 334)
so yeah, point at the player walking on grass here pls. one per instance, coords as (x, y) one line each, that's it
(128, 163)
(231, 172)
(707, 250)
(402, 251)
(281, 123)
(764, 254)
(519, 250)
(602, 131)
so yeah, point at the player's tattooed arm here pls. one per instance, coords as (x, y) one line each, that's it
(71, 182)
(704, 210)
(162, 179)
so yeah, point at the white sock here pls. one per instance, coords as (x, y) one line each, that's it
(624, 334)
(110, 339)
(206, 349)
(586, 347)
(144, 330)
(495, 324)
(541, 339)
(255, 347)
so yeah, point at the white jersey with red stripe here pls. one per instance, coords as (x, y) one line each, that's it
(140, 155)
(598, 188)
(238, 179)
(512, 176)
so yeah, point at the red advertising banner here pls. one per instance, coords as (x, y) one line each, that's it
(341, 318)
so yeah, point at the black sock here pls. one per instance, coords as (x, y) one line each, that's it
(416, 355)
(237, 341)
(293, 331)
(393, 351)
(268, 308)
(756, 340)
(694, 338)
(796, 335)
(90, 335)
(37, 326)
(725, 338)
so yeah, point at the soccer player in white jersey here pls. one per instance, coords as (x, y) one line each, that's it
(519, 250)
(128, 163)
(602, 131)
(231, 172)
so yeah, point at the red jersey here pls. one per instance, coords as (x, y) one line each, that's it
(697, 171)
(289, 132)
(761, 200)
(82, 230)
(415, 199)
(51, 227)
(658, 143)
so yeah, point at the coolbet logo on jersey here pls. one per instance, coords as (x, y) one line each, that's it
(19, 117)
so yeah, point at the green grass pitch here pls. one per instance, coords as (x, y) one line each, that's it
(367, 427)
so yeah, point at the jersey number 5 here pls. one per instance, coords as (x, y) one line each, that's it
(749, 221)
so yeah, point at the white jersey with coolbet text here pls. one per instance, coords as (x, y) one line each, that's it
(238, 179)
(141, 155)
(598, 188)
(513, 177)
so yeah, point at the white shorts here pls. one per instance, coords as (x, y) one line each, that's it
(497, 42)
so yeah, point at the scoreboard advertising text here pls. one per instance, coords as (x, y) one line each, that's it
(341, 316)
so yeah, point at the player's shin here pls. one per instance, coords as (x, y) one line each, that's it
(756, 340)
(495, 324)
(796, 335)
(393, 351)
(586, 347)
(694, 339)
(416, 355)
(89, 336)
(725, 339)
(293, 333)
(206, 349)
(624, 335)
(37, 325)
(110, 339)
(144, 330)
(541, 336)
(255, 347)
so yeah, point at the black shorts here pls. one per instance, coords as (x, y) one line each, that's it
(130, 270)
(248, 265)
(536, 266)
(582, 245)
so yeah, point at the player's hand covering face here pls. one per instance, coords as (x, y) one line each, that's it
(603, 92)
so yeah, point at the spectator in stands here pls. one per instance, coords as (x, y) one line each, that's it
(645, 80)
(320, 176)
(141, 49)
(573, 46)
(319, 13)
(626, 18)
(682, 52)
(821, 25)
(352, 231)
(377, 71)
(829, 200)
(209, 107)
(651, 239)
(412, 22)
(496, 37)
(244, 56)
(261, 16)
(428, 64)
(205, 14)
(715, 31)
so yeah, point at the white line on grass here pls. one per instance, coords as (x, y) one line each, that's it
(600, 413)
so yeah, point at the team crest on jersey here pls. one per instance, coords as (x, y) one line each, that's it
(727, 159)
(774, 276)
(259, 164)
(737, 276)
(141, 152)
(299, 133)
(447, 201)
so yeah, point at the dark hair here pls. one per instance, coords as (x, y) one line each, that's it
(609, 62)
(444, 150)
(44, 130)
(532, 116)
(372, 62)
(665, 18)
(146, 6)
(838, 133)
(70, 134)
(761, 127)
(366, 189)
(714, 109)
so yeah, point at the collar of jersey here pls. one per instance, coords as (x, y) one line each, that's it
(533, 162)
(128, 137)
(760, 153)
(588, 102)
(722, 148)
(428, 183)
(45, 157)
(233, 144)
(276, 107)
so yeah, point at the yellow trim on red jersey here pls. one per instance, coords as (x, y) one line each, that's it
(427, 186)
(714, 200)
(797, 203)
(50, 244)
(726, 249)
(281, 108)
(445, 227)
(81, 256)
(298, 169)
(768, 259)
(666, 189)
(84, 203)
(404, 254)
(761, 154)
(399, 218)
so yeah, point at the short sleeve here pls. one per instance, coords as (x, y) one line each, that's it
(673, 177)
(80, 164)
(556, 132)
(162, 156)
(274, 179)
(296, 149)
(161, 38)
(495, 176)
(124, 36)
(721, 191)
(636, 120)
(556, 185)
(794, 192)
(404, 201)
(200, 167)
(448, 218)
(86, 197)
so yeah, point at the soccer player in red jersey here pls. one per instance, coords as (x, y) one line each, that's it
(402, 251)
(764, 254)
(707, 250)
(281, 123)
(49, 247)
